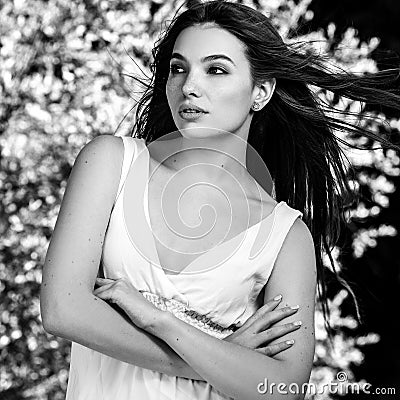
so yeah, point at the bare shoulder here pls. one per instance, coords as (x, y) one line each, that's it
(97, 166)
(299, 239)
(102, 148)
(296, 260)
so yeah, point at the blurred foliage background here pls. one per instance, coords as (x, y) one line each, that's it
(64, 79)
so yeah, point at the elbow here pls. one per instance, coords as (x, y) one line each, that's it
(63, 314)
(49, 325)
(46, 314)
(59, 323)
(53, 316)
(50, 322)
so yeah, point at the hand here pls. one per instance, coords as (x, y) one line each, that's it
(259, 330)
(121, 292)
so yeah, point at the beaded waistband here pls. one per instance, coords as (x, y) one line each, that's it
(181, 311)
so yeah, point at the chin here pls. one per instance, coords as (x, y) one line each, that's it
(202, 133)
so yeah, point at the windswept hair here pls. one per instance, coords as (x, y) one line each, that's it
(295, 132)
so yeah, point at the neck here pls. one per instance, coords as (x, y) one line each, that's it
(214, 155)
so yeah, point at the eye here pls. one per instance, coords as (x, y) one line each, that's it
(221, 69)
(174, 67)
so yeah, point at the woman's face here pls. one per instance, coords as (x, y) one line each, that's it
(220, 86)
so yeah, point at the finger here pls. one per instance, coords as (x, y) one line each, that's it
(275, 332)
(282, 313)
(100, 282)
(274, 349)
(271, 304)
(102, 288)
(266, 320)
(268, 306)
(107, 295)
(103, 281)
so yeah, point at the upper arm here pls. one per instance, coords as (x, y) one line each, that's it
(294, 276)
(75, 248)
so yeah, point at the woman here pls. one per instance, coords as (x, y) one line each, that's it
(228, 61)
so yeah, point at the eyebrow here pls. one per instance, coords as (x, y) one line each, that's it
(208, 58)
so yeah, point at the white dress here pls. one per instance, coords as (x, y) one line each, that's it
(228, 294)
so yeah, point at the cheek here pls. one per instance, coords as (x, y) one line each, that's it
(235, 97)
(168, 90)
(173, 93)
(172, 88)
(174, 98)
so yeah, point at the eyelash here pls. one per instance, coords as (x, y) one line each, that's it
(173, 68)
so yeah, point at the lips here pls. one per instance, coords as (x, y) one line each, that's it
(191, 115)
(190, 111)
(190, 108)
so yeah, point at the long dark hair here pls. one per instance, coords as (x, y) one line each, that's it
(292, 133)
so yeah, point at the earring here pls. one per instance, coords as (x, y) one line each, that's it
(255, 106)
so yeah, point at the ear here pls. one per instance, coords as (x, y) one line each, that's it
(264, 91)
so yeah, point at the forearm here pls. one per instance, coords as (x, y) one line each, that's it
(232, 369)
(93, 323)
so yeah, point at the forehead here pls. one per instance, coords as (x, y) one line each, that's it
(196, 42)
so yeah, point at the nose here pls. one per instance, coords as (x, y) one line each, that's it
(191, 86)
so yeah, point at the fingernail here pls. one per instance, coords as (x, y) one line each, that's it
(277, 298)
(298, 323)
(289, 341)
(295, 307)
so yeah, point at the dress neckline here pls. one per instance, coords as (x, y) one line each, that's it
(245, 232)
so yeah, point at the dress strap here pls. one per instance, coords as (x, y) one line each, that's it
(129, 151)
(283, 217)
